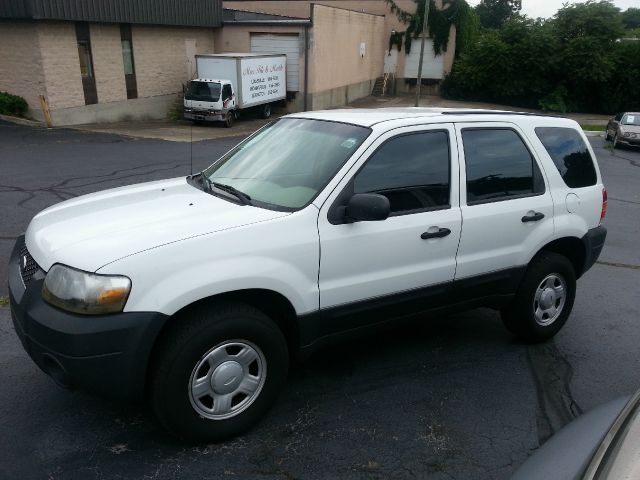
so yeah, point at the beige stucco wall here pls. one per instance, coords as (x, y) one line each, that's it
(106, 49)
(335, 59)
(20, 62)
(60, 63)
(302, 8)
(164, 56)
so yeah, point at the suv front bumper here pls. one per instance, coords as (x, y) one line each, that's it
(107, 354)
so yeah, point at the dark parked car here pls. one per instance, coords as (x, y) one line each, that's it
(603, 444)
(624, 128)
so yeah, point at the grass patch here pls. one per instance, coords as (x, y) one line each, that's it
(593, 128)
(4, 301)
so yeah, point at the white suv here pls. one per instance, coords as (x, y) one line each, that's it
(195, 292)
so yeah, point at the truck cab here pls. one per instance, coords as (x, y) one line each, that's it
(210, 100)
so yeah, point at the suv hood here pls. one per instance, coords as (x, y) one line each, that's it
(93, 230)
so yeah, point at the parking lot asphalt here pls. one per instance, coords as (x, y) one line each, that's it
(452, 397)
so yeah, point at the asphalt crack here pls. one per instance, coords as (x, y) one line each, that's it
(552, 374)
(619, 265)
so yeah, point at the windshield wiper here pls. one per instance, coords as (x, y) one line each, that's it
(243, 197)
(207, 185)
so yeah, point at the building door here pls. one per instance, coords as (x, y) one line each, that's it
(432, 65)
(288, 44)
(391, 60)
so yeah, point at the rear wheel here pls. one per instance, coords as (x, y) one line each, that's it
(218, 372)
(544, 299)
(266, 110)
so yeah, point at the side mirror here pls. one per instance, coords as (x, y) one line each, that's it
(367, 207)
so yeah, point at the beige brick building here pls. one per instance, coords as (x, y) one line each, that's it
(108, 60)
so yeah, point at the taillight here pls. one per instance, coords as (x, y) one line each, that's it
(603, 213)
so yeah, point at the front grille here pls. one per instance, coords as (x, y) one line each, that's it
(28, 266)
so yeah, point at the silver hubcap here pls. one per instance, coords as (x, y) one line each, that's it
(227, 379)
(549, 299)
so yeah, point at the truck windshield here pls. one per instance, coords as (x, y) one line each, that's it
(287, 163)
(203, 91)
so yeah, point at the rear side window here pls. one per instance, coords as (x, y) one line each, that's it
(499, 166)
(412, 171)
(569, 154)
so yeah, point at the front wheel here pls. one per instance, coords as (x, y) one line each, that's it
(544, 299)
(218, 372)
(229, 119)
(614, 143)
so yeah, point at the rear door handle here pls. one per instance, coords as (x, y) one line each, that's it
(535, 217)
(441, 232)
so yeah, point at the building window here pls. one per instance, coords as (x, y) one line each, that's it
(127, 61)
(86, 63)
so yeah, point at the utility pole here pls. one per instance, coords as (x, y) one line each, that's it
(424, 36)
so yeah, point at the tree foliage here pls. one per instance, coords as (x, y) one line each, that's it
(494, 13)
(631, 18)
(573, 61)
(456, 13)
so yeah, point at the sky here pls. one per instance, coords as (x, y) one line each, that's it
(548, 8)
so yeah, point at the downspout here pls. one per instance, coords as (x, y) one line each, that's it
(306, 58)
(306, 66)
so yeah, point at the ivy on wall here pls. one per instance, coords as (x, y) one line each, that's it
(454, 12)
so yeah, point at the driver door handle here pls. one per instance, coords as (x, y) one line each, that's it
(441, 232)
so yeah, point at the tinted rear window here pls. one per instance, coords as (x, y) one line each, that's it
(570, 155)
(499, 166)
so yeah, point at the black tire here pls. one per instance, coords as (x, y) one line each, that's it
(519, 317)
(184, 345)
(229, 119)
(607, 136)
(614, 142)
(265, 112)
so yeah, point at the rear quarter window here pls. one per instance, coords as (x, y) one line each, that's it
(570, 155)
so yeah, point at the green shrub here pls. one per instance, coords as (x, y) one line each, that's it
(12, 105)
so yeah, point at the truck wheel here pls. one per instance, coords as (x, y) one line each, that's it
(218, 372)
(544, 299)
(266, 110)
(229, 119)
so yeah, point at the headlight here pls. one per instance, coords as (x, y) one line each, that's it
(83, 292)
(626, 134)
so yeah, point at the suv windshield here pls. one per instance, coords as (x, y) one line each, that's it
(631, 119)
(288, 162)
(203, 91)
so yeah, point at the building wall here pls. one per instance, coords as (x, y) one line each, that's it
(60, 63)
(336, 38)
(164, 56)
(301, 8)
(20, 63)
(106, 48)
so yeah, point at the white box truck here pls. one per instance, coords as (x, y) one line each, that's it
(230, 82)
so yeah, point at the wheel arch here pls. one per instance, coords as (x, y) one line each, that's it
(273, 304)
(572, 248)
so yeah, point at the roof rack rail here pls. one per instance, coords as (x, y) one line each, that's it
(498, 112)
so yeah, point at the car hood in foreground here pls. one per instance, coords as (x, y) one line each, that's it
(91, 231)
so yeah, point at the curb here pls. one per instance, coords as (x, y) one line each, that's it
(21, 121)
(593, 134)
